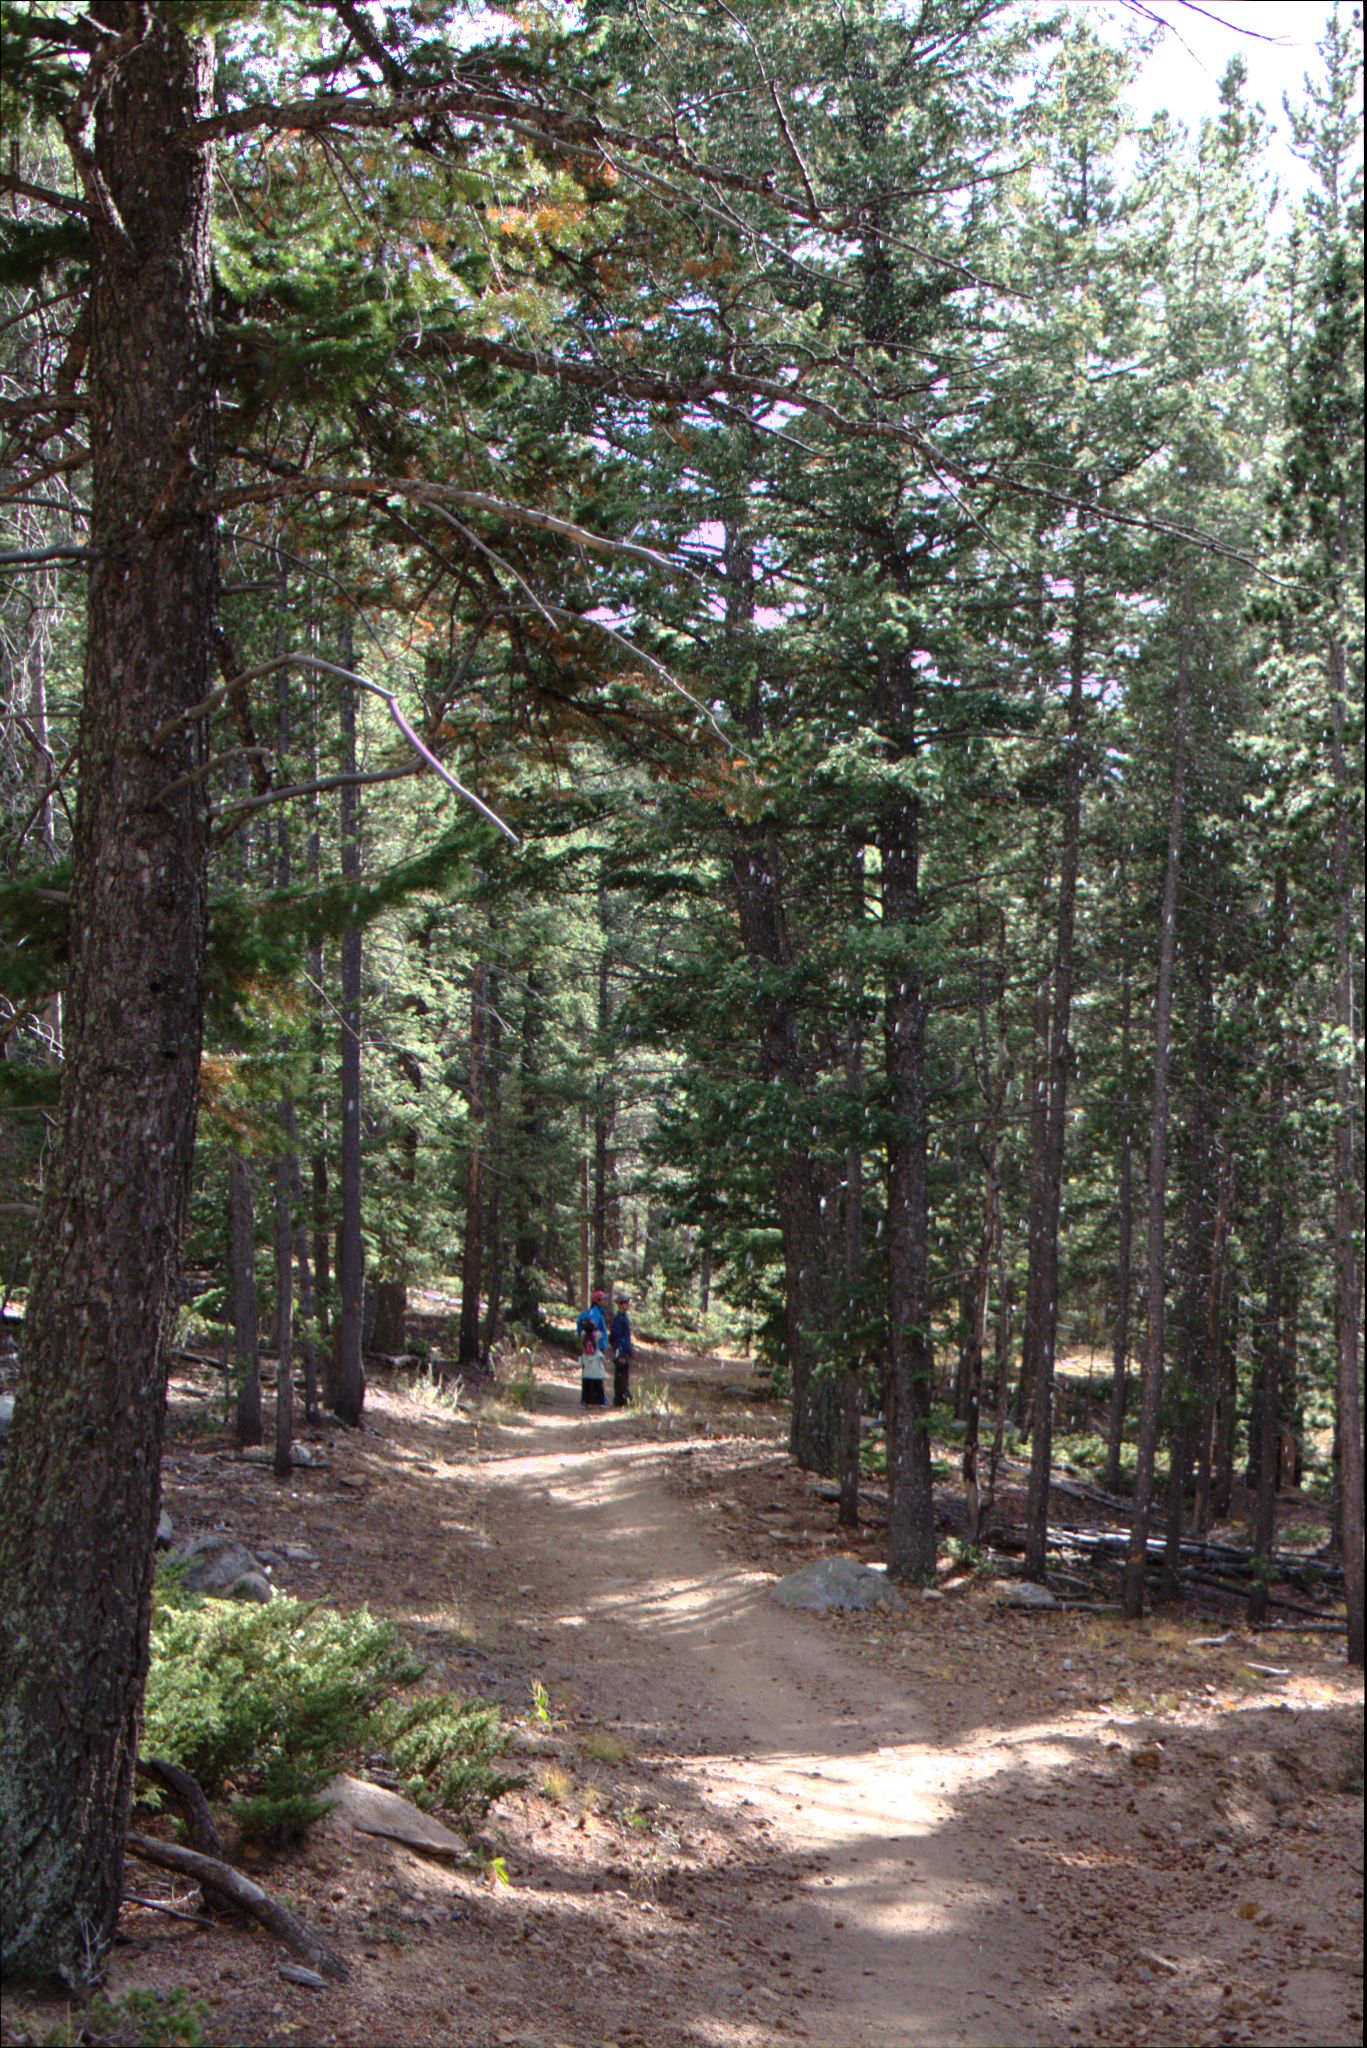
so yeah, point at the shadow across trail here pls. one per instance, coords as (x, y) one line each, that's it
(822, 1767)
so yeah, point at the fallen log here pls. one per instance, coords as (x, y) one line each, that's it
(226, 1883)
(1116, 1543)
(1190, 1575)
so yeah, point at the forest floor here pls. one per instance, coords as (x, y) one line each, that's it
(942, 1822)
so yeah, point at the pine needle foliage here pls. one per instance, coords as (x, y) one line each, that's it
(268, 1703)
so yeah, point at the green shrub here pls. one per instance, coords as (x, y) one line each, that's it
(445, 1750)
(269, 1703)
(139, 2019)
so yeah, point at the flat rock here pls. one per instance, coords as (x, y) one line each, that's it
(836, 1582)
(371, 1810)
(1027, 1594)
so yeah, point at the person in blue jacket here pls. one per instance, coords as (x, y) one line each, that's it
(620, 1351)
(593, 1344)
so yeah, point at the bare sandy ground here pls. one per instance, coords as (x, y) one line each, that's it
(740, 1826)
(906, 1928)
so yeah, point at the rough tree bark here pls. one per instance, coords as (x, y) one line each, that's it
(82, 1492)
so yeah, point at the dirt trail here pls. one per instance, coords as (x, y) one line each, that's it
(899, 1923)
(747, 1826)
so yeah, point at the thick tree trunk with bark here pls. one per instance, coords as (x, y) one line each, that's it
(82, 1490)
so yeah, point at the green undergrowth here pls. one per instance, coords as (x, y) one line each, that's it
(264, 1705)
(138, 2019)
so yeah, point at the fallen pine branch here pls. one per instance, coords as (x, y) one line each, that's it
(161, 1906)
(186, 1794)
(227, 1883)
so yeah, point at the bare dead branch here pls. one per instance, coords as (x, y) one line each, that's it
(230, 1885)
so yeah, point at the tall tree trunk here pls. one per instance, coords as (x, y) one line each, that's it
(82, 1491)
(1264, 1431)
(246, 1315)
(1194, 1367)
(472, 1255)
(1226, 1412)
(1037, 1203)
(287, 1164)
(1045, 1242)
(1208, 1445)
(1124, 1278)
(815, 1426)
(850, 1403)
(1151, 1389)
(493, 1144)
(350, 1335)
(604, 1114)
(757, 875)
(286, 1179)
(911, 1505)
(320, 1204)
(525, 1306)
(1347, 1285)
(993, 1085)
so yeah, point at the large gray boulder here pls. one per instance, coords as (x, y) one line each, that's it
(223, 1568)
(837, 1582)
(1028, 1594)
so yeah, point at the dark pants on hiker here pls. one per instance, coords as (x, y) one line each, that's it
(621, 1381)
(594, 1393)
